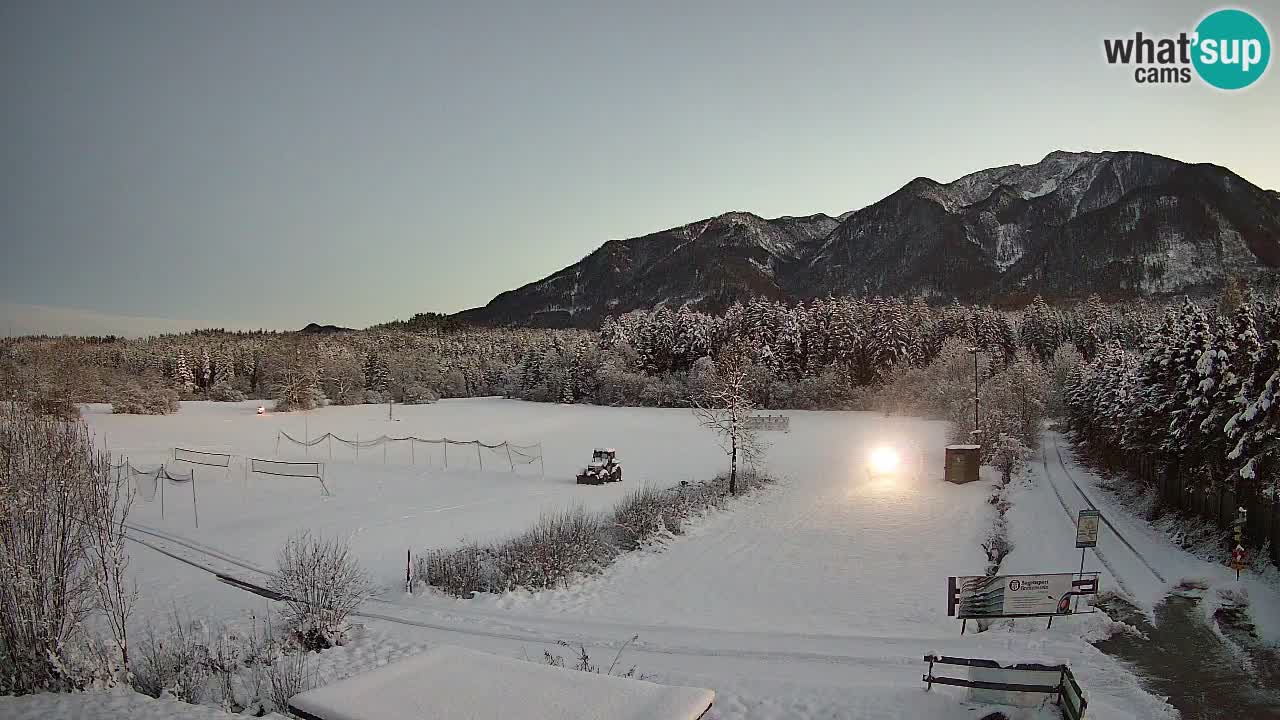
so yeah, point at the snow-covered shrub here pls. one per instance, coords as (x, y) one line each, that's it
(547, 555)
(1009, 456)
(55, 403)
(322, 584)
(177, 665)
(56, 572)
(647, 512)
(417, 394)
(295, 398)
(583, 662)
(564, 544)
(223, 392)
(289, 675)
(666, 391)
(459, 571)
(146, 398)
(557, 546)
(829, 390)
(1262, 566)
(620, 387)
(997, 545)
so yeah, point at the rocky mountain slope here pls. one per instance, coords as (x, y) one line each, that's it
(1121, 224)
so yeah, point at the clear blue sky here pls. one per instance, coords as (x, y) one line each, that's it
(273, 163)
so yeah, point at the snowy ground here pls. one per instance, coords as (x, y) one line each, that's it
(816, 598)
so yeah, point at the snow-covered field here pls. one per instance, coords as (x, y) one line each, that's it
(817, 597)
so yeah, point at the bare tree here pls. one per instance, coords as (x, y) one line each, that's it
(61, 554)
(108, 512)
(322, 583)
(724, 406)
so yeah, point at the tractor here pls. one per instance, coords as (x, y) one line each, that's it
(603, 468)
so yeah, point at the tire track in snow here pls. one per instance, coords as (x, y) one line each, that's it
(1062, 501)
(1058, 449)
(200, 548)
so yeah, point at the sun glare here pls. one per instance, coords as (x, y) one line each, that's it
(883, 460)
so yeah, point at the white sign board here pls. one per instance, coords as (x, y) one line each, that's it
(1087, 528)
(977, 596)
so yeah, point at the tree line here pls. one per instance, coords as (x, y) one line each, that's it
(1196, 395)
(819, 354)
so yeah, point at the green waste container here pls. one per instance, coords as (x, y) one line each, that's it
(962, 463)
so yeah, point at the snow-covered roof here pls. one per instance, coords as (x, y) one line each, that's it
(608, 450)
(964, 447)
(452, 683)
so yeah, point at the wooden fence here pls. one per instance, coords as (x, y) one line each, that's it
(1217, 503)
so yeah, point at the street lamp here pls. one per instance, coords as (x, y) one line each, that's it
(976, 431)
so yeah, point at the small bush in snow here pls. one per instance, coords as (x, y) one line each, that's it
(647, 512)
(152, 398)
(299, 398)
(1009, 456)
(223, 392)
(417, 394)
(289, 675)
(178, 665)
(323, 583)
(583, 663)
(51, 402)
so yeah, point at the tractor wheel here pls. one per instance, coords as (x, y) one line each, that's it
(617, 475)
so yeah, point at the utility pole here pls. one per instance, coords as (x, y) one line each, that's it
(975, 350)
(975, 388)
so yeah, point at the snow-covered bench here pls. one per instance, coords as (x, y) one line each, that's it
(451, 683)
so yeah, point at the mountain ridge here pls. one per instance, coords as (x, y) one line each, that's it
(1117, 223)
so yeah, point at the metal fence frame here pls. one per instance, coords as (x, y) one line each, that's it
(318, 475)
(1067, 693)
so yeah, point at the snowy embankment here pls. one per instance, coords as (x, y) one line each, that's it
(815, 598)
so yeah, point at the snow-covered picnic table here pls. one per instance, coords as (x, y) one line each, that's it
(451, 683)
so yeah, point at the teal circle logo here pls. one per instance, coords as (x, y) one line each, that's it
(1232, 49)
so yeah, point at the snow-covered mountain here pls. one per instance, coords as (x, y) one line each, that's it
(1121, 224)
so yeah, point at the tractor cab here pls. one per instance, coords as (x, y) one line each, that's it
(603, 468)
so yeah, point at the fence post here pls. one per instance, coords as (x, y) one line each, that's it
(507, 445)
(446, 453)
(413, 457)
(357, 446)
(160, 482)
(329, 437)
(195, 506)
(478, 456)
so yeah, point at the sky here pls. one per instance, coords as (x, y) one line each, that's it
(242, 163)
